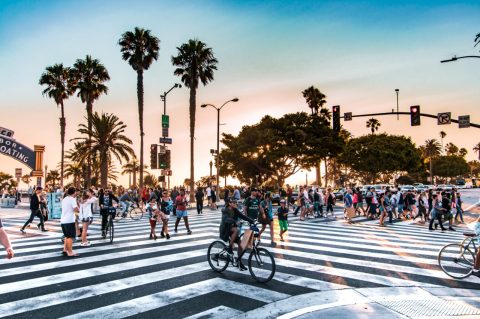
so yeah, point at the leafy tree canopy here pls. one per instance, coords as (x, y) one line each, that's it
(450, 166)
(275, 149)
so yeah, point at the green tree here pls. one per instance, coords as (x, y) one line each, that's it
(373, 124)
(431, 149)
(451, 149)
(26, 179)
(474, 168)
(52, 177)
(442, 136)
(74, 170)
(463, 152)
(133, 167)
(140, 48)
(7, 181)
(450, 166)
(90, 77)
(107, 141)
(194, 63)
(476, 149)
(150, 180)
(275, 149)
(372, 155)
(59, 86)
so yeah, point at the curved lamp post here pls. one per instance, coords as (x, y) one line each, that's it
(455, 58)
(218, 137)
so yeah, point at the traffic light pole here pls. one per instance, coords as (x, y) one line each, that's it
(408, 113)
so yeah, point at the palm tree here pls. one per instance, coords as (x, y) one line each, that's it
(463, 152)
(90, 77)
(195, 63)
(373, 124)
(59, 86)
(133, 167)
(451, 149)
(442, 136)
(140, 48)
(476, 149)
(26, 179)
(75, 170)
(150, 180)
(314, 98)
(53, 176)
(477, 39)
(431, 149)
(107, 140)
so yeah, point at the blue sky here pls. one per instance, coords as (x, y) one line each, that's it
(356, 52)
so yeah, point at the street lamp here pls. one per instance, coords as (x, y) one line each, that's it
(455, 58)
(218, 134)
(164, 97)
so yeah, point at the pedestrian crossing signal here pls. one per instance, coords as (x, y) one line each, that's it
(415, 115)
(153, 156)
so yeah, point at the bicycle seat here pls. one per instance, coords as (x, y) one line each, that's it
(469, 234)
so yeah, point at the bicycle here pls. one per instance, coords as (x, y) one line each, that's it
(261, 263)
(457, 260)
(133, 210)
(109, 229)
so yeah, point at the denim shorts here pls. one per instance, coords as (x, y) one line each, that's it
(182, 213)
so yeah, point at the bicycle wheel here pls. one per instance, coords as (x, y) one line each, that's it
(110, 230)
(136, 213)
(456, 261)
(217, 256)
(261, 264)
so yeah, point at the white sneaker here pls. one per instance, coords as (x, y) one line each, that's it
(87, 244)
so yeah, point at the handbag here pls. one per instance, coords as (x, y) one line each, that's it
(247, 240)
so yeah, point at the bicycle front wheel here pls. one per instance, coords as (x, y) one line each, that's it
(136, 213)
(456, 260)
(261, 265)
(110, 230)
(217, 256)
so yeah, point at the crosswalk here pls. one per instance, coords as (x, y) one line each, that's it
(137, 277)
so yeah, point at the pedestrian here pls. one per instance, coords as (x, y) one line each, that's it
(459, 208)
(5, 241)
(360, 202)
(282, 213)
(86, 215)
(166, 207)
(209, 196)
(447, 206)
(422, 209)
(213, 194)
(251, 206)
(382, 209)
(436, 213)
(181, 204)
(199, 196)
(266, 217)
(401, 203)
(35, 210)
(152, 213)
(330, 201)
(67, 221)
(349, 206)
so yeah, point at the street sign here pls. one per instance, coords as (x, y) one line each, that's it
(165, 121)
(168, 172)
(347, 116)
(18, 172)
(464, 121)
(165, 131)
(163, 149)
(444, 118)
(166, 140)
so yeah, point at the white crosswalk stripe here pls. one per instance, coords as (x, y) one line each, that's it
(137, 276)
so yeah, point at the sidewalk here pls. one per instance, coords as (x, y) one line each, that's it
(432, 302)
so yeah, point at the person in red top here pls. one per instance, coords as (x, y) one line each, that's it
(181, 203)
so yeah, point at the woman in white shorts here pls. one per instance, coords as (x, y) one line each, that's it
(85, 215)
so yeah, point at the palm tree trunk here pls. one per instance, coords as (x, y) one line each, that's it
(318, 174)
(89, 158)
(326, 171)
(193, 94)
(140, 119)
(63, 124)
(104, 169)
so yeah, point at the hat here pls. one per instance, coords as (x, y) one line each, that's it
(282, 201)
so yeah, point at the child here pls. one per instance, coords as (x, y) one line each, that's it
(282, 218)
(153, 214)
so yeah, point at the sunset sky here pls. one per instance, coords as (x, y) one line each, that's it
(355, 52)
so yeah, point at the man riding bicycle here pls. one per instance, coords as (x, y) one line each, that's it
(125, 201)
(229, 230)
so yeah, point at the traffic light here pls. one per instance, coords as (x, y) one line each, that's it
(336, 118)
(153, 156)
(415, 115)
(164, 160)
(161, 178)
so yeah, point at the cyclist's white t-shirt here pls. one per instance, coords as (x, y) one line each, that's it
(69, 203)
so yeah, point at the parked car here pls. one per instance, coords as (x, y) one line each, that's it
(421, 188)
(339, 193)
(406, 188)
(276, 198)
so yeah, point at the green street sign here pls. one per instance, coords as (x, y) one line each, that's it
(165, 121)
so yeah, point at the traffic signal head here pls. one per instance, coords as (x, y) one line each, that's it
(336, 118)
(153, 156)
(164, 160)
(415, 115)
(161, 178)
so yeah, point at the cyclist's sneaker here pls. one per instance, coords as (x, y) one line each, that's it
(241, 266)
(189, 232)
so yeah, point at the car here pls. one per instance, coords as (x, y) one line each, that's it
(339, 193)
(421, 188)
(406, 188)
(294, 195)
(276, 198)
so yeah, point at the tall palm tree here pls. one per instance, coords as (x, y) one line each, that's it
(140, 48)
(476, 149)
(315, 101)
(195, 63)
(90, 77)
(53, 176)
(74, 170)
(133, 167)
(477, 39)
(314, 98)
(107, 141)
(373, 124)
(442, 136)
(431, 149)
(150, 180)
(59, 86)
(451, 149)
(463, 152)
